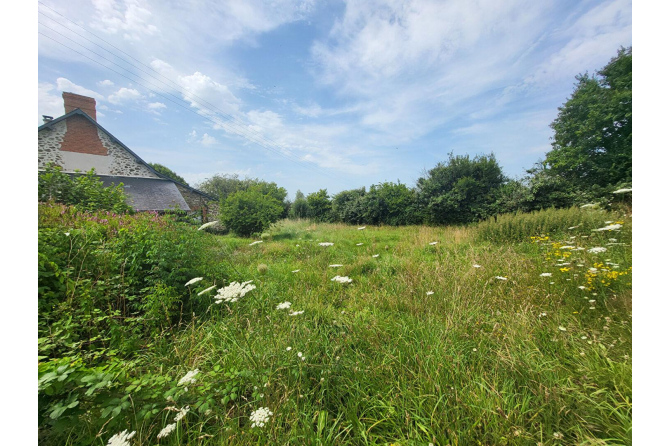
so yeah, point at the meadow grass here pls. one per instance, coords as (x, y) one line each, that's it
(480, 360)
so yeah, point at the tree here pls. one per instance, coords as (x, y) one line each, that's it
(167, 172)
(348, 206)
(223, 186)
(319, 207)
(299, 207)
(392, 204)
(593, 132)
(250, 211)
(463, 190)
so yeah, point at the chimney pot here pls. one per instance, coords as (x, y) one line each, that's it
(46, 118)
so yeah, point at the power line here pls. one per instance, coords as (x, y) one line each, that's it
(245, 132)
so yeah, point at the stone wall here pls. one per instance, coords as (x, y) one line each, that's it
(197, 202)
(48, 145)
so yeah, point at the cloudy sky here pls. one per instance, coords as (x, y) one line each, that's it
(325, 94)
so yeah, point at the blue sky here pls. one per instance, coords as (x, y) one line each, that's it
(339, 94)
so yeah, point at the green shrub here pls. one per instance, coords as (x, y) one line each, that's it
(250, 211)
(85, 192)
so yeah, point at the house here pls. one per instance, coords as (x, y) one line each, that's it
(77, 143)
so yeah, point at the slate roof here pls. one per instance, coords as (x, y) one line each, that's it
(149, 194)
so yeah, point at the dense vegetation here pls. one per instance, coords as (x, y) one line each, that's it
(510, 333)
(168, 172)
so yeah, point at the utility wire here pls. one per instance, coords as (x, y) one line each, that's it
(247, 133)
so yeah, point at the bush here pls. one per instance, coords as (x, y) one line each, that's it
(319, 207)
(85, 192)
(250, 211)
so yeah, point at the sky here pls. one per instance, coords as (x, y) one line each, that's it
(325, 94)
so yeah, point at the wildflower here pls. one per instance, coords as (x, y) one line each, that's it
(613, 227)
(545, 275)
(361, 228)
(597, 250)
(189, 378)
(260, 416)
(374, 256)
(234, 291)
(543, 314)
(295, 271)
(428, 293)
(336, 265)
(612, 240)
(566, 247)
(284, 306)
(182, 413)
(581, 287)
(288, 349)
(622, 191)
(208, 289)
(207, 225)
(67, 234)
(167, 430)
(121, 439)
(476, 266)
(558, 435)
(340, 279)
(591, 301)
(296, 313)
(501, 278)
(359, 244)
(573, 227)
(592, 308)
(326, 244)
(256, 242)
(583, 337)
(192, 281)
(562, 328)
(432, 243)
(299, 354)
(589, 205)
(474, 349)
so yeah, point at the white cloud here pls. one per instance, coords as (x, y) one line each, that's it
(105, 83)
(156, 107)
(207, 140)
(124, 95)
(66, 85)
(129, 18)
(49, 104)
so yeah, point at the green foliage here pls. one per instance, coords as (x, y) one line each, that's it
(463, 190)
(85, 192)
(594, 129)
(168, 172)
(223, 186)
(391, 204)
(299, 207)
(252, 211)
(319, 207)
(349, 207)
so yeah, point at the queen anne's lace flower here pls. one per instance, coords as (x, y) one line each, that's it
(234, 291)
(597, 250)
(374, 256)
(208, 289)
(613, 227)
(361, 228)
(189, 378)
(622, 191)
(337, 265)
(296, 313)
(121, 439)
(501, 278)
(359, 244)
(284, 306)
(341, 279)
(256, 242)
(182, 413)
(428, 293)
(260, 416)
(432, 243)
(167, 430)
(545, 275)
(192, 281)
(326, 244)
(207, 225)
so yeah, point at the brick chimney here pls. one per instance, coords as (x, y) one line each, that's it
(73, 101)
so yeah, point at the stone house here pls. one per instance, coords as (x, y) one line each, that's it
(77, 143)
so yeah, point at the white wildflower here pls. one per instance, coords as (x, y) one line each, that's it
(326, 244)
(167, 430)
(121, 439)
(432, 243)
(296, 313)
(591, 301)
(256, 242)
(612, 240)
(208, 289)
(260, 416)
(474, 349)
(182, 413)
(583, 337)
(67, 234)
(374, 256)
(581, 287)
(336, 265)
(189, 378)
(501, 278)
(284, 305)
(288, 349)
(192, 281)
(543, 314)
(295, 271)
(597, 250)
(476, 266)
(361, 228)
(428, 293)
(558, 435)
(573, 227)
(567, 247)
(359, 244)
(207, 225)
(562, 328)
(613, 227)
(589, 205)
(340, 279)
(545, 275)
(299, 354)
(622, 191)
(234, 291)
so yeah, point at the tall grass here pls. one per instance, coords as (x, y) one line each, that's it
(480, 360)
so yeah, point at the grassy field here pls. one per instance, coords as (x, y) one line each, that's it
(442, 336)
